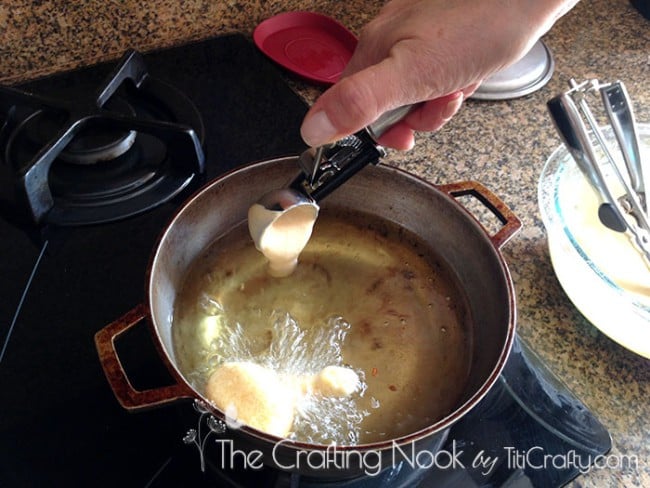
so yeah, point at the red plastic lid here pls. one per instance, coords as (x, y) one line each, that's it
(309, 44)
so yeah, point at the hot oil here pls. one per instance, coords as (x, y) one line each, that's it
(366, 294)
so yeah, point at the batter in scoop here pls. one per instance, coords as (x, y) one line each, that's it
(281, 235)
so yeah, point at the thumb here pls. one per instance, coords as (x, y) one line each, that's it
(354, 102)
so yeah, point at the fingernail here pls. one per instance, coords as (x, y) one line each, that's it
(318, 130)
(452, 107)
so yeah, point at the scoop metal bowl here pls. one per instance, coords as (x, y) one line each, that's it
(279, 202)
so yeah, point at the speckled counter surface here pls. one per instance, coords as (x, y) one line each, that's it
(501, 144)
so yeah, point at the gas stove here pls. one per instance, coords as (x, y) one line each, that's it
(94, 163)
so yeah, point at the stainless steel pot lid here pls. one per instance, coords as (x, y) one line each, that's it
(527, 75)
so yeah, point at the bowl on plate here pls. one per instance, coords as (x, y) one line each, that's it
(601, 270)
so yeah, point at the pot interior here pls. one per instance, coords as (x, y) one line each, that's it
(381, 191)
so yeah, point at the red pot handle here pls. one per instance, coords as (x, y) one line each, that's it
(511, 223)
(130, 398)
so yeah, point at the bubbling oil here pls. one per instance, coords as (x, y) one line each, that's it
(366, 294)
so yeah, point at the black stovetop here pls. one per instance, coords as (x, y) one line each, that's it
(60, 424)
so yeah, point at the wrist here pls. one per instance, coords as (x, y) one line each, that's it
(541, 15)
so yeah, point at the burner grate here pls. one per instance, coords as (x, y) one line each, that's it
(131, 145)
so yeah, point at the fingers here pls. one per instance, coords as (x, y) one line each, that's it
(400, 137)
(351, 104)
(429, 117)
(432, 115)
(468, 91)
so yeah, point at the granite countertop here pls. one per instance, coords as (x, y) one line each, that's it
(501, 144)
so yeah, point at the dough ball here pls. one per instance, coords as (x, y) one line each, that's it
(255, 395)
(335, 381)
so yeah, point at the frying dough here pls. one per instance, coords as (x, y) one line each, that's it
(333, 381)
(266, 400)
(255, 395)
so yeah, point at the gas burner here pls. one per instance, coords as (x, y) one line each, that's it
(97, 156)
(90, 145)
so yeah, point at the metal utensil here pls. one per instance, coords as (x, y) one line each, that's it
(270, 212)
(347, 149)
(619, 110)
(325, 168)
(581, 133)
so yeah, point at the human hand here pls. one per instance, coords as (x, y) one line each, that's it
(432, 51)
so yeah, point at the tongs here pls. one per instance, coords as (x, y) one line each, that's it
(582, 135)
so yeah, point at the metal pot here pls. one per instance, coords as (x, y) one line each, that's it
(433, 213)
